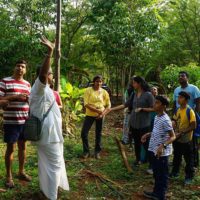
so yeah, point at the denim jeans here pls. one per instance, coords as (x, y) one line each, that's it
(98, 132)
(160, 173)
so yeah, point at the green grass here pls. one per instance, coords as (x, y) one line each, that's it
(83, 186)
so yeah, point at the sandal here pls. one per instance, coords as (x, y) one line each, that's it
(24, 177)
(9, 184)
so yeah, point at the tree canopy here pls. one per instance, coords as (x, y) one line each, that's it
(115, 38)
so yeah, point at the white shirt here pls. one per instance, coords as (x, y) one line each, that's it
(41, 98)
(162, 125)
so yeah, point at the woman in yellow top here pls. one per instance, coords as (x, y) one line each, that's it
(96, 102)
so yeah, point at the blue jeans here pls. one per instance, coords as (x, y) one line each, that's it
(160, 173)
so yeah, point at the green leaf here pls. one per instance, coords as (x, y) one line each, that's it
(78, 106)
(69, 88)
(64, 96)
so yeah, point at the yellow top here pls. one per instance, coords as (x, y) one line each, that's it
(98, 98)
(183, 122)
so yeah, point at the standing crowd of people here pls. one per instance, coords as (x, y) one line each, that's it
(146, 125)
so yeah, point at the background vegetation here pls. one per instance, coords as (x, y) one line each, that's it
(116, 38)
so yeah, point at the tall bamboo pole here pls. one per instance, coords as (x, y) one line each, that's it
(57, 47)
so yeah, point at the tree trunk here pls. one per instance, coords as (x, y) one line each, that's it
(58, 44)
(123, 81)
(117, 83)
(130, 73)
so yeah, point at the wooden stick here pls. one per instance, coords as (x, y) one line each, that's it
(103, 177)
(123, 154)
(112, 188)
(97, 184)
(106, 181)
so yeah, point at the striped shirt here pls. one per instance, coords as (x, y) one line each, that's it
(162, 125)
(17, 111)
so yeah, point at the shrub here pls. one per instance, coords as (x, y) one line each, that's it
(169, 75)
(72, 111)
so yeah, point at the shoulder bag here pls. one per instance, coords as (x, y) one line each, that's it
(33, 126)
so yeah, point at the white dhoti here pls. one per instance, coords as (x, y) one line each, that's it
(52, 171)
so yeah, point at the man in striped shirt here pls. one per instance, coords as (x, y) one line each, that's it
(160, 148)
(16, 90)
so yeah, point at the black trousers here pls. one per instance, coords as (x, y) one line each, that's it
(98, 132)
(160, 173)
(195, 151)
(185, 150)
(137, 135)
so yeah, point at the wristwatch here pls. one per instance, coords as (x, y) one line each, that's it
(165, 146)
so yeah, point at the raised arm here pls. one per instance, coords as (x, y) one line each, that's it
(43, 76)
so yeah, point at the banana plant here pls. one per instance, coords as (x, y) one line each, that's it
(72, 111)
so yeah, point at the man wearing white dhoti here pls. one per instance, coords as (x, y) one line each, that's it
(52, 172)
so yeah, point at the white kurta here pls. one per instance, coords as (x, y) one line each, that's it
(52, 171)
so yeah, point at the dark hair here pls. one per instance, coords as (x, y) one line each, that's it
(184, 94)
(38, 70)
(154, 87)
(130, 88)
(97, 77)
(142, 82)
(184, 72)
(21, 62)
(163, 99)
(132, 79)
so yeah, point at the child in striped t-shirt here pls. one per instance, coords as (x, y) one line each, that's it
(160, 148)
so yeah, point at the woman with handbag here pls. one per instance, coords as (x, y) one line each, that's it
(52, 171)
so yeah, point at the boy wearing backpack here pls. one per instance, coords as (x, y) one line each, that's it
(184, 121)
